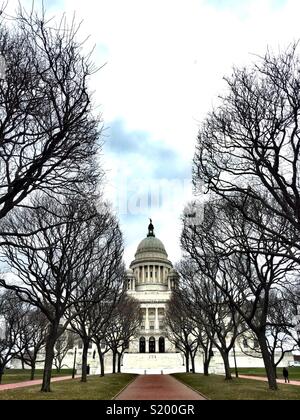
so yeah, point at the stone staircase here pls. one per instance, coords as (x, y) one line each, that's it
(146, 363)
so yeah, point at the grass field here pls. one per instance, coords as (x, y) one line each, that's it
(95, 389)
(294, 372)
(12, 376)
(216, 388)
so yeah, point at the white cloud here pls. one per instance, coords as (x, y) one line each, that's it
(165, 59)
(165, 63)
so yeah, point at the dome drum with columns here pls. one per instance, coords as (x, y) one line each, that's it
(151, 279)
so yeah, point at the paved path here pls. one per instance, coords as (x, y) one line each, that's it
(263, 379)
(27, 384)
(157, 388)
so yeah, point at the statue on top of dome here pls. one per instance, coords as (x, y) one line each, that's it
(151, 229)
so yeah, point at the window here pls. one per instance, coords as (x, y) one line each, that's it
(142, 345)
(151, 345)
(162, 345)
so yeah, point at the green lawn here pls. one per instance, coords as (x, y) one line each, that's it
(12, 376)
(95, 389)
(294, 372)
(216, 388)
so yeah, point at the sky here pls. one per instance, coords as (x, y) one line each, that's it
(164, 66)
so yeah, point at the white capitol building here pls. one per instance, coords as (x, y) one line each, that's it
(151, 279)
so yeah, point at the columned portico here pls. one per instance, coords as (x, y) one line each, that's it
(156, 320)
(147, 320)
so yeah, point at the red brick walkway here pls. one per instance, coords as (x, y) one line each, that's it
(158, 387)
(263, 379)
(31, 383)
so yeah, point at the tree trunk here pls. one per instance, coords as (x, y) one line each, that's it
(187, 362)
(193, 364)
(271, 372)
(101, 360)
(225, 357)
(84, 361)
(114, 359)
(275, 369)
(207, 359)
(102, 368)
(206, 367)
(32, 374)
(119, 362)
(49, 357)
(23, 363)
(1, 374)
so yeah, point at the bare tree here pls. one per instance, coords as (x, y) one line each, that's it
(102, 316)
(52, 264)
(63, 345)
(182, 330)
(210, 309)
(292, 300)
(250, 145)
(48, 133)
(32, 338)
(243, 262)
(11, 314)
(206, 345)
(281, 329)
(106, 277)
(123, 325)
(187, 270)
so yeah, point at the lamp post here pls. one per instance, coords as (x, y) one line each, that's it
(74, 364)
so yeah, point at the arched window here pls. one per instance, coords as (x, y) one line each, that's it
(142, 345)
(151, 345)
(162, 345)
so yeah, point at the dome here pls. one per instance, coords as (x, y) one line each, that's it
(151, 245)
(151, 250)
